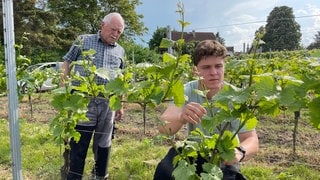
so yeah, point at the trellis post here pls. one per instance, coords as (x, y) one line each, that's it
(10, 59)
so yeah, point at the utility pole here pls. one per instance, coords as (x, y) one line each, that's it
(10, 59)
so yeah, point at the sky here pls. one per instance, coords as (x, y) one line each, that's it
(236, 21)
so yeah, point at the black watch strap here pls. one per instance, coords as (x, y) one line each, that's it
(243, 151)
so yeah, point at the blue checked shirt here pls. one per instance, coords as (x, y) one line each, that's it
(106, 56)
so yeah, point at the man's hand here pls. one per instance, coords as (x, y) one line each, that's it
(192, 113)
(119, 114)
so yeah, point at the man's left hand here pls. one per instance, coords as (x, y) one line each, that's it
(119, 114)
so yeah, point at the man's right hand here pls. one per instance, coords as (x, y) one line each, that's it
(192, 113)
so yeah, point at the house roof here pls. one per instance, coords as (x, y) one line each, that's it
(192, 36)
(197, 36)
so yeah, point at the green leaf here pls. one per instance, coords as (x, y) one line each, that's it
(180, 43)
(201, 93)
(184, 170)
(292, 97)
(264, 85)
(269, 105)
(178, 93)
(287, 96)
(169, 59)
(166, 43)
(116, 86)
(183, 23)
(209, 124)
(230, 96)
(250, 121)
(57, 100)
(292, 80)
(210, 143)
(314, 109)
(75, 102)
(103, 73)
(156, 95)
(115, 103)
(226, 146)
(213, 172)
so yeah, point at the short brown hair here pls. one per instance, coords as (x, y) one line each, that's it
(208, 48)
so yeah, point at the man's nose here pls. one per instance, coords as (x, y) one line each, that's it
(213, 70)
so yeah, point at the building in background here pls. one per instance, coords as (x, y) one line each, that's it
(194, 37)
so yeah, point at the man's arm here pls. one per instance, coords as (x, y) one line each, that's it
(171, 117)
(65, 72)
(250, 142)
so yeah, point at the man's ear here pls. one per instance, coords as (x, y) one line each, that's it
(102, 24)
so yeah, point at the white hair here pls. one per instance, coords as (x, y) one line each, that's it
(107, 19)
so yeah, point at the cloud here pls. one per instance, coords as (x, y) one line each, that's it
(236, 21)
(309, 21)
(249, 7)
(315, 11)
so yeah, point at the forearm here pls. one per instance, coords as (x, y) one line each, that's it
(65, 72)
(170, 126)
(251, 144)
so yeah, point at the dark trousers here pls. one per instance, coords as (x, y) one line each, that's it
(165, 168)
(78, 155)
(78, 152)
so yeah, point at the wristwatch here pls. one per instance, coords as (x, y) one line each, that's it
(243, 151)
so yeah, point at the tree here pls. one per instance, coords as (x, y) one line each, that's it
(220, 39)
(260, 32)
(34, 28)
(316, 43)
(257, 42)
(85, 16)
(157, 36)
(282, 31)
(139, 54)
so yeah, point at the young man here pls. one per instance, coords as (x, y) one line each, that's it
(109, 54)
(209, 60)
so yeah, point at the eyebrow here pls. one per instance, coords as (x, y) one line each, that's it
(120, 30)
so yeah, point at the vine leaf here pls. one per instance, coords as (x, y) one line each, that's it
(103, 73)
(213, 172)
(184, 170)
(269, 105)
(178, 93)
(251, 121)
(264, 85)
(166, 43)
(314, 112)
(226, 146)
(115, 103)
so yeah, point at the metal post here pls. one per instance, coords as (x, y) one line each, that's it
(10, 59)
(169, 36)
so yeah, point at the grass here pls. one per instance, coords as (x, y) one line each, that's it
(135, 154)
(316, 53)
